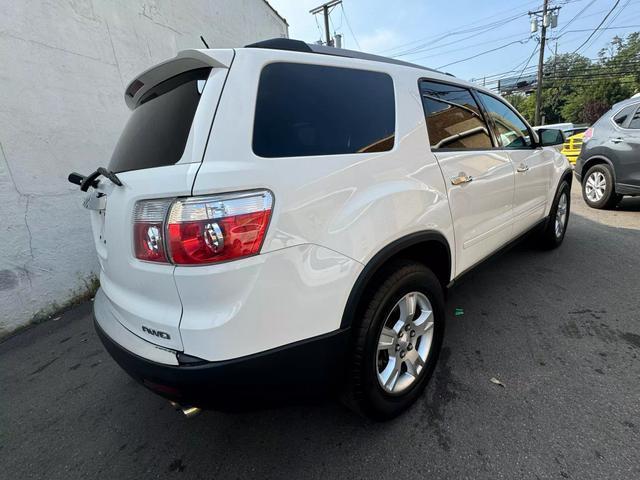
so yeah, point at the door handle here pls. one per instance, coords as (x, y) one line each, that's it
(461, 178)
(522, 168)
(617, 139)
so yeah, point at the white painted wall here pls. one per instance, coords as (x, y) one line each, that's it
(65, 64)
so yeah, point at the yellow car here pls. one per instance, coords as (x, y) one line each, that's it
(571, 147)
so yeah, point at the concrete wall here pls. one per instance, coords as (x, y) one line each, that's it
(65, 64)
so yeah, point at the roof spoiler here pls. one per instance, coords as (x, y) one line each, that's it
(184, 61)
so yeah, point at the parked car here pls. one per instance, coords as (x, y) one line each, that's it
(609, 163)
(574, 131)
(572, 146)
(284, 218)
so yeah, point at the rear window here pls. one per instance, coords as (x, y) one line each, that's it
(304, 110)
(157, 131)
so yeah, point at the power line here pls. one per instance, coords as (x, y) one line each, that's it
(443, 35)
(476, 31)
(595, 71)
(599, 25)
(465, 47)
(577, 16)
(349, 25)
(507, 74)
(527, 64)
(625, 67)
(613, 19)
(486, 51)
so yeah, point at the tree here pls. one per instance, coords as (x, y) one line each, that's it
(525, 104)
(579, 90)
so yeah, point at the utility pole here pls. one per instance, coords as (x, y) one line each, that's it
(325, 9)
(547, 20)
(543, 39)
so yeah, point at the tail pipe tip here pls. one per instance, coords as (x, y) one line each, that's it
(188, 412)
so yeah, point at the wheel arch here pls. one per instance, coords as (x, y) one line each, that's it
(428, 247)
(597, 160)
(567, 176)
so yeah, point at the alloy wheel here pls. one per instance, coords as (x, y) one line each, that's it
(596, 186)
(561, 215)
(404, 343)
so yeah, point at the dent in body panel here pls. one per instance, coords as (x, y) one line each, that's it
(263, 302)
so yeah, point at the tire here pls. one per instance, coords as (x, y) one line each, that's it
(556, 225)
(364, 390)
(598, 188)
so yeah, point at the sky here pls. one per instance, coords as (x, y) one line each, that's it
(454, 35)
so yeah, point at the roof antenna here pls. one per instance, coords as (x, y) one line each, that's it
(204, 41)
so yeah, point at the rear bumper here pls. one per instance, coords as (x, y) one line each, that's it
(293, 372)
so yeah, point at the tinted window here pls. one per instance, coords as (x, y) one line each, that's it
(624, 114)
(453, 117)
(304, 110)
(156, 132)
(635, 120)
(511, 131)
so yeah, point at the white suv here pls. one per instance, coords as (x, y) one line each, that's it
(284, 218)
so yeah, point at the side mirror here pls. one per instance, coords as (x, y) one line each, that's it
(550, 137)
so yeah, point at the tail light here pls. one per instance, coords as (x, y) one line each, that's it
(204, 230)
(148, 230)
(588, 133)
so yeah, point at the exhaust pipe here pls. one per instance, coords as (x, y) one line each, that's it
(188, 412)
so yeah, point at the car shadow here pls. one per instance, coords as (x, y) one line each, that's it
(629, 204)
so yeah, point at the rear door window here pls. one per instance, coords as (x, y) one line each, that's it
(453, 117)
(623, 115)
(157, 130)
(510, 129)
(634, 124)
(304, 110)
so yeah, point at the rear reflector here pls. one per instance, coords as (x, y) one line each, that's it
(587, 135)
(202, 230)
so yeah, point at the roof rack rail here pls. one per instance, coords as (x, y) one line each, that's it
(303, 47)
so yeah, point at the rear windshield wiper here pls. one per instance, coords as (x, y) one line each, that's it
(91, 180)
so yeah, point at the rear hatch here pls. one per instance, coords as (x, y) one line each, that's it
(157, 156)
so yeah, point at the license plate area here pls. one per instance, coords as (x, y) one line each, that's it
(96, 203)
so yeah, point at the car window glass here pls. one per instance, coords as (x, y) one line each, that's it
(157, 131)
(304, 110)
(511, 131)
(453, 117)
(635, 120)
(621, 117)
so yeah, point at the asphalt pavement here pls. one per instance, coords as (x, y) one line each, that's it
(559, 329)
